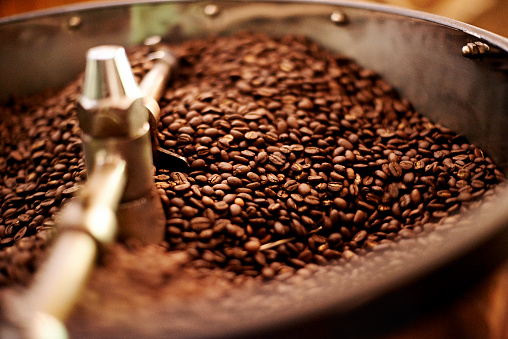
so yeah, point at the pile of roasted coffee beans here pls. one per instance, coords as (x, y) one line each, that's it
(41, 165)
(300, 156)
(297, 156)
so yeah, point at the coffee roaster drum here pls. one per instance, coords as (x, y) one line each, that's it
(451, 72)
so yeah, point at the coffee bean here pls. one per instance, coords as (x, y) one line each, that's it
(253, 177)
(221, 188)
(199, 224)
(420, 164)
(252, 245)
(229, 198)
(221, 206)
(211, 132)
(277, 159)
(251, 135)
(416, 197)
(20, 233)
(408, 178)
(215, 179)
(241, 170)
(182, 187)
(311, 200)
(335, 186)
(304, 189)
(477, 184)
(262, 157)
(271, 137)
(234, 182)
(312, 150)
(189, 212)
(360, 236)
(244, 196)
(393, 190)
(395, 169)
(406, 165)
(464, 196)
(235, 210)
(225, 167)
(47, 202)
(9, 213)
(345, 143)
(297, 168)
(360, 217)
(178, 178)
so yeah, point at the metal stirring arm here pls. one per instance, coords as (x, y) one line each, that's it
(152, 86)
(120, 189)
(154, 82)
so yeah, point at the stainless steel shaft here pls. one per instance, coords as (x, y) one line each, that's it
(152, 86)
(154, 82)
(113, 118)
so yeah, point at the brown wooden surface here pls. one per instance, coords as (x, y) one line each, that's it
(483, 311)
(11, 7)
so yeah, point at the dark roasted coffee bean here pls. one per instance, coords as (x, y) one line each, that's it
(416, 197)
(340, 203)
(241, 170)
(235, 210)
(215, 179)
(221, 206)
(406, 165)
(253, 177)
(225, 167)
(277, 159)
(335, 186)
(393, 190)
(312, 150)
(252, 245)
(304, 189)
(395, 169)
(234, 182)
(178, 178)
(312, 200)
(360, 217)
(262, 157)
(199, 224)
(20, 233)
(251, 135)
(408, 178)
(345, 143)
(9, 213)
(189, 212)
(182, 187)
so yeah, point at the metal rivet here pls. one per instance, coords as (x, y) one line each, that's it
(475, 49)
(153, 42)
(339, 18)
(74, 22)
(211, 10)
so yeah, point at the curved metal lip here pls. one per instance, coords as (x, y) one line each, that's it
(480, 33)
